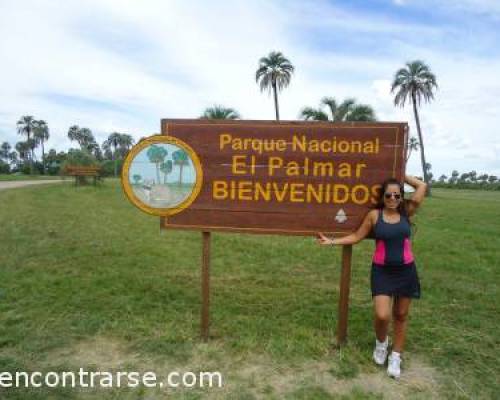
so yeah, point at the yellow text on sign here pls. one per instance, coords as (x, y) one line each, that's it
(246, 165)
(336, 193)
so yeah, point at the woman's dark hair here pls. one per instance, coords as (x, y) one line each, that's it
(402, 205)
(402, 208)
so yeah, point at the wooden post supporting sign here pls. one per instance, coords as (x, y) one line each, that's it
(345, 284)
(205, 287)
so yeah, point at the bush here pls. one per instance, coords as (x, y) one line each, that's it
(108, 167)
(4, 167)
(25, 168)
(79, 157)
(53, 168)
(37, 167)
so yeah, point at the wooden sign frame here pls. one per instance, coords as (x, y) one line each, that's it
(295, 215)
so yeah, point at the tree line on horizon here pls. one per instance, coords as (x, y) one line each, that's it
(411, 84)
(22, 157)
(467, 180)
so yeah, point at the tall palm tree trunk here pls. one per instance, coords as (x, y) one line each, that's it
(276, 107)
(114, 159)
(31, 151)
(408, 155)
(43, 158)
(422, 154)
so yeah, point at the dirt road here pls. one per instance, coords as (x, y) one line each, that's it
(17, 184)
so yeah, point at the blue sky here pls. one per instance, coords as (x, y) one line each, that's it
(124, 65)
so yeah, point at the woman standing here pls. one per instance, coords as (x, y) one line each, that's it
(393, 274)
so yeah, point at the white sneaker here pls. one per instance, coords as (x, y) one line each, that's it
(380, 351)
(394, 366)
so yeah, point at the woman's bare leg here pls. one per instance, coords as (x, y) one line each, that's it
(382, 317)
(400, 310)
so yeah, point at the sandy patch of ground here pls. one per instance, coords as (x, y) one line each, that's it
(257, 377)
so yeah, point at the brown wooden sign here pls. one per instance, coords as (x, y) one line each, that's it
(285, 177)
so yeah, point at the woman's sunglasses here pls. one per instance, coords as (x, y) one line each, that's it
(397, 196)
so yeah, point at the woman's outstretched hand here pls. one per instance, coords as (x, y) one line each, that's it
(323, 240)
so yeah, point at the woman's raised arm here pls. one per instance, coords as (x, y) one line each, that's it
(355, 237)
(418, 196)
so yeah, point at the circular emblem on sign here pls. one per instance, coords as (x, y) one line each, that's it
(162, 175)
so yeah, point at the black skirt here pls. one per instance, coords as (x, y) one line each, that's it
(400, 280)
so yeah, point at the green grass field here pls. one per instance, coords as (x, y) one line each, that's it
(89, 281)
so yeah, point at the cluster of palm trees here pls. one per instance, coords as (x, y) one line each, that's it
(413, 83)
(471, 177)
(36, 132)
(158, 154)
(114, 148)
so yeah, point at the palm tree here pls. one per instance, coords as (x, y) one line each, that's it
(137, 179)
(25, 127)
(414, 83)
(74, 133)
(23, 148)
(87, 140)
(412, 145)
(84, 137)
(274, 73)
(181, 159)
(106, 149)
(309, 113)
(360, 113)
(483, 178)
(4, 150)
(126, 142)
(114, 140)
(13, 158)
(166, 168)
(156, 155)
(348, 110)
(220, 112)
(41, 135)
(338, 111)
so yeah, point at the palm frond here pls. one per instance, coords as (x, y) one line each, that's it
(415, 82)
(220, 112)
(360, 113)
(312, 114)
(274, 70)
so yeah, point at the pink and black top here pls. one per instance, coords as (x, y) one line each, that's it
(393, 245)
